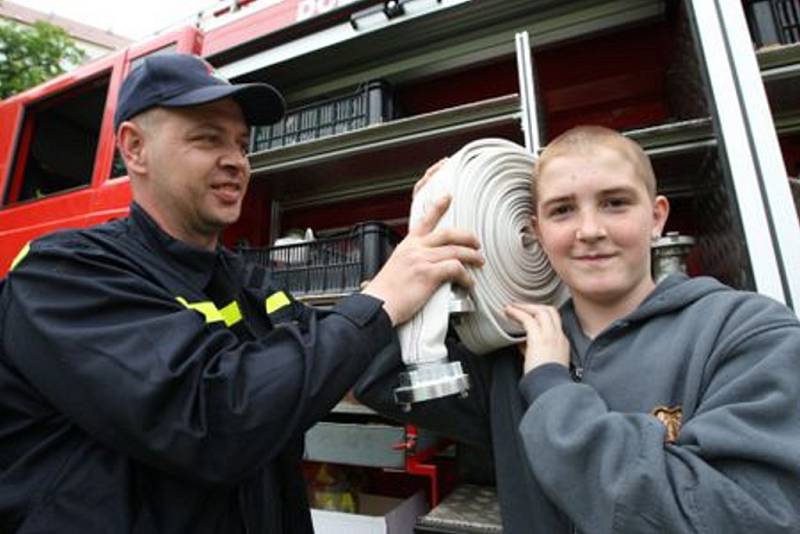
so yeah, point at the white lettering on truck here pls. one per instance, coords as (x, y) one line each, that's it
(307, 9)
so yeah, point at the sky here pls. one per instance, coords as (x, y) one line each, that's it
(129, 18)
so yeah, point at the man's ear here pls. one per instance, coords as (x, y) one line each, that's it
(131, 144)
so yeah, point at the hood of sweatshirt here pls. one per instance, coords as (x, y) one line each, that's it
(675, 292)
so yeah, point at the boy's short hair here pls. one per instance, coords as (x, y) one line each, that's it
(582, 139)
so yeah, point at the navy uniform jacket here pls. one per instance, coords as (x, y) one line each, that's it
(145, 388)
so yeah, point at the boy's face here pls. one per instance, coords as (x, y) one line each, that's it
(595, 220)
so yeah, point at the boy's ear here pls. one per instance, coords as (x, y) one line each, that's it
(660, 215)
(535, 227)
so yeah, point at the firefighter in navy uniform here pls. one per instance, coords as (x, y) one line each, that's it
(145, 386)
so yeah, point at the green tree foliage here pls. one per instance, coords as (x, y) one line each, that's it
(32, 54)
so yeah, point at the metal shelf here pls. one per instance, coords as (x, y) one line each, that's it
(400, 132)
(365, 444)
(353, 408)
(674, 137)
(355, 444)
(779, 61)
(468, 509)
(657, 140)
(780, 70)
(677, 150)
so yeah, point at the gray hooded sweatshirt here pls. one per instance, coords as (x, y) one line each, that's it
(721, 368)
(681, 417)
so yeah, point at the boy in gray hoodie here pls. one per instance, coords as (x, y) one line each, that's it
(636, 408)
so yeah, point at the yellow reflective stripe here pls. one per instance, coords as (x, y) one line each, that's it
(20, 256)
(276, 301)
(231, 313)
(207, 308)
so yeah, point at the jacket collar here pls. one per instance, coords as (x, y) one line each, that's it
(193, 264)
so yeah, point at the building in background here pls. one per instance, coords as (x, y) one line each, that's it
(94, 41)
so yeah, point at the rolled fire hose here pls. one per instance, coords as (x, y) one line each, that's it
(489, 181)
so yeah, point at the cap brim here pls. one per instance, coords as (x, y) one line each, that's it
(261, 103)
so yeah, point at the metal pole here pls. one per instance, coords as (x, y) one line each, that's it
(749, 144)
(527, 93)
(768, 157)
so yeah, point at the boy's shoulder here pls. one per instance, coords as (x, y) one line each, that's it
(708, 299)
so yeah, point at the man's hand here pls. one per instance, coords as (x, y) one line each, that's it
(422, 262)
(546, 341)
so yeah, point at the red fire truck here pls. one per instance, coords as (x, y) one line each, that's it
(378, 90)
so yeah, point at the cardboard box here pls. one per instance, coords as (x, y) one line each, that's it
(377, 515)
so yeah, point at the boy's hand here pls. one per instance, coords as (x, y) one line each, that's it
(546, 341)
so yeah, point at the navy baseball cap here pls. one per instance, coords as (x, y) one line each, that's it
(181, 80)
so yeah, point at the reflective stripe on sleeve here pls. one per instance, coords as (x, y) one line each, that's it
(206, 308)
(230, 314)
(276, 301)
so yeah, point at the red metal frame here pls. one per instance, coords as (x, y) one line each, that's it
(64, 87)
(19, 164)
(418, 462)
(11, 119)
(29, 119)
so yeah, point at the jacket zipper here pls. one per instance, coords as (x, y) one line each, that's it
(577, 374)
(576, 371)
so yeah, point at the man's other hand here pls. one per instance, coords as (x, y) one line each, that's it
(422, 262)
(433, 169)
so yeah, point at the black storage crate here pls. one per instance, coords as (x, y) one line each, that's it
(774, 21)
(329, 266)
(370, 104)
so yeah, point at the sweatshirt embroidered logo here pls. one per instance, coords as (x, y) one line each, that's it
(670, 418)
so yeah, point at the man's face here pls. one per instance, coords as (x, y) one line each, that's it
(197, 169)
(595, 220)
